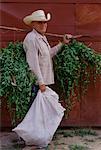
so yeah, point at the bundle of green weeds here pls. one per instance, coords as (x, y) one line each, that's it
(75, 65)
(16, 79)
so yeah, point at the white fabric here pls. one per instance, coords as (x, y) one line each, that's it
(42, 119)
(39, 56)
(38, 15)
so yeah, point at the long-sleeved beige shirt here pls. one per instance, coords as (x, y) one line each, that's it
(39, 56)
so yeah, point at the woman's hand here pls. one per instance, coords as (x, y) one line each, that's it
(67, 38)
(42, 87)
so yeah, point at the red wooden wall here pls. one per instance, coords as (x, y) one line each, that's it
(68, 16)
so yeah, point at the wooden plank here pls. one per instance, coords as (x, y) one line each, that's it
(91, 105)
(85, 20)
(96, 46)
(88, 111)
(61, 22)
(58, 17)
(5, 115)
(74, 117)
(52, 1)
(88, 19)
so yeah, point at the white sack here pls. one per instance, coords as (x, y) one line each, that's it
(42, 119)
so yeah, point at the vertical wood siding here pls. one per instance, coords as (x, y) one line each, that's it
(68, 16)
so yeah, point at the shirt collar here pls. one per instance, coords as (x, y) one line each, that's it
(38, 34)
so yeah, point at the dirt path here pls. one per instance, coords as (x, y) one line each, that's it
(74, 139)
(82, 139)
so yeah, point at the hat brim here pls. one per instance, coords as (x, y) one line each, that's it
(28, 19)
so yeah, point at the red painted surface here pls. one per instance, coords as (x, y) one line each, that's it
(53, 1)
(68, 16)
(5, 115)
(87, 112)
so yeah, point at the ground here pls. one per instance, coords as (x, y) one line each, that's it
(68, 139)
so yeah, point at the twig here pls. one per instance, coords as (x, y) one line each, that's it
(12, 28)
(49, 34)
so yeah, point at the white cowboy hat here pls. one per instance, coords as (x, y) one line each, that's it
(38, 15)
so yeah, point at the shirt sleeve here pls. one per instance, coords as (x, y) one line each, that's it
(32, 59)
(55, 49)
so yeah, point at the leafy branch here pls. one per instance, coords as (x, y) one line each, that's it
(16, 79)
(75, 64)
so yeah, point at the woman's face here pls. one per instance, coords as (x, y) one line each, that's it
(40, 26)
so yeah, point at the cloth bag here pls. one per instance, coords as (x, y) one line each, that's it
(42, 119)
